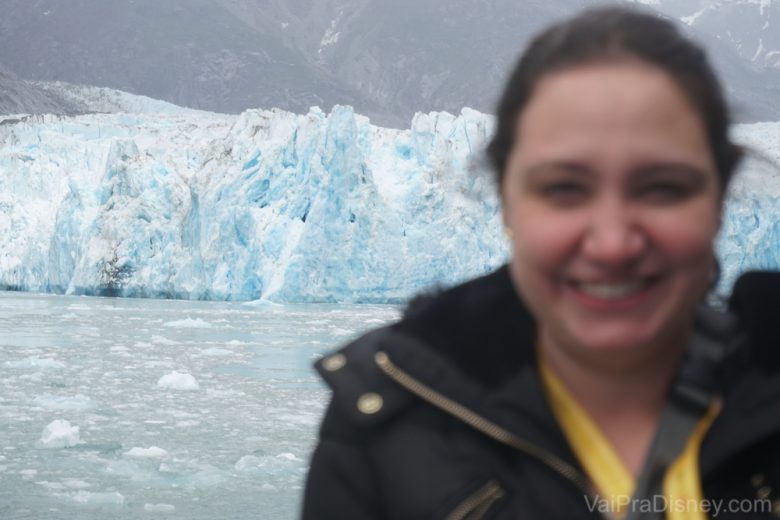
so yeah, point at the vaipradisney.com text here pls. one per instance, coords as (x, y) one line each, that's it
(664, 504)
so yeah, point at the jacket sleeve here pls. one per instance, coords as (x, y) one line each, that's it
(341, 483)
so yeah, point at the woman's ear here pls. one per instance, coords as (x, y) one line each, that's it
(505, 218)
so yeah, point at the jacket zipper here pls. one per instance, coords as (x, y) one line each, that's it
(483, 425)
(478, 503)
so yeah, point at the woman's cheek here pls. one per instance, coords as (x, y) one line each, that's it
(543, 244)
(688, 239)
(548, 232)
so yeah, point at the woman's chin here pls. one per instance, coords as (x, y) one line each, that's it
(621, 345)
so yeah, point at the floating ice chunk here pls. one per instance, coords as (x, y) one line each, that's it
(248, 463)
(75, 483)
(58, 434)
(35, 362)
(135, 471)
(267, 464)
(216, 352)
(207, 477)
(161, 340)
(189, 323)
(178, 381)
(100, 499)
(262, 302)
(55, 402)
(187, 424)
(301, 418)
(159, 508)
(51, 485)
(148, 453)
(289, 456)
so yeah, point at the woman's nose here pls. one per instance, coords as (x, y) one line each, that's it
(612, 235)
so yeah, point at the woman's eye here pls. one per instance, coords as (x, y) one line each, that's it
(664, 192)
(565, 192)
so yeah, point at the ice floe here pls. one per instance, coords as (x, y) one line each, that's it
(59, 434)
(153, 452)
(178, 381)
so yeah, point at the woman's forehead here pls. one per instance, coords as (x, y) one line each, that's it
(607, 92)
(611, 110)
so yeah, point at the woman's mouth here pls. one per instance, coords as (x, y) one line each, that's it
(612, 290)
(613, 294)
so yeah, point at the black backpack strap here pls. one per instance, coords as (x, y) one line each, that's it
(694, 389)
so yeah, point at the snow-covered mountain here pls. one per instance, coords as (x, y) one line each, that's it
(22, 98)
(83, 99)
(748, 26)
(18, 96)
(743, 40)
(285, 207)
(388, 59)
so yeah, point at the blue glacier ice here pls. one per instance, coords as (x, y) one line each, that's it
(750, 234)
(284, 207)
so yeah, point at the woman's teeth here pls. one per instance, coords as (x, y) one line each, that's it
(611, 291)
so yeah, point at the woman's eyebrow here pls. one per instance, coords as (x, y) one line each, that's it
(547, 168)
(686, 172)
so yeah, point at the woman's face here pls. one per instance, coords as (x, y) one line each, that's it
(613, 201)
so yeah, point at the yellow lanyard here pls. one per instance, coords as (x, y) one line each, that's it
(683, 495)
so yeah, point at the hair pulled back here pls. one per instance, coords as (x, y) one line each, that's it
(617, 34)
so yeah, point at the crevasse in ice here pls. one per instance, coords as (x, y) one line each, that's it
(284, 207)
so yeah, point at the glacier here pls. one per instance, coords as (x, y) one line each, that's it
(271, 205)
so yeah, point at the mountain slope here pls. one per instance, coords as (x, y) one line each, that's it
(191, 53)
(21, 97)
(387, 59)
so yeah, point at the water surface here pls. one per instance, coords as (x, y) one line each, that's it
(236, 447)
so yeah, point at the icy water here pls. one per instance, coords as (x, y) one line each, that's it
(191, 410)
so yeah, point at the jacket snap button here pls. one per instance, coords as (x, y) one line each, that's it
(764, 492)
(334, 362)
(370, 403)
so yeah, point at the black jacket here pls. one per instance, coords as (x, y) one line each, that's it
(443, 415)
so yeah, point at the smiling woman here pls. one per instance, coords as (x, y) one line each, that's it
(613, 199)
(614, 203)
(588, 377)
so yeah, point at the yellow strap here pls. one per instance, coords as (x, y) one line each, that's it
(615, 484)
(682, 483)
(597, 456)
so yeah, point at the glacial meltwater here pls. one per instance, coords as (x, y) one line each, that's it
(129, 409)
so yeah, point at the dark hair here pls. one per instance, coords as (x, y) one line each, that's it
(614, 34)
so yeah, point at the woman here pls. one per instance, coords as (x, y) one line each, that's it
(584, 379)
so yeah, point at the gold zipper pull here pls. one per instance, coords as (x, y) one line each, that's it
(477, 504)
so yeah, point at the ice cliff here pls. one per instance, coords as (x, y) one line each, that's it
(285, 207)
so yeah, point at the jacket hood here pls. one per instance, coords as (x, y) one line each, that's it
(756, 301)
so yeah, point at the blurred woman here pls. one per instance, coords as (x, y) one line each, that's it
(586, 378)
